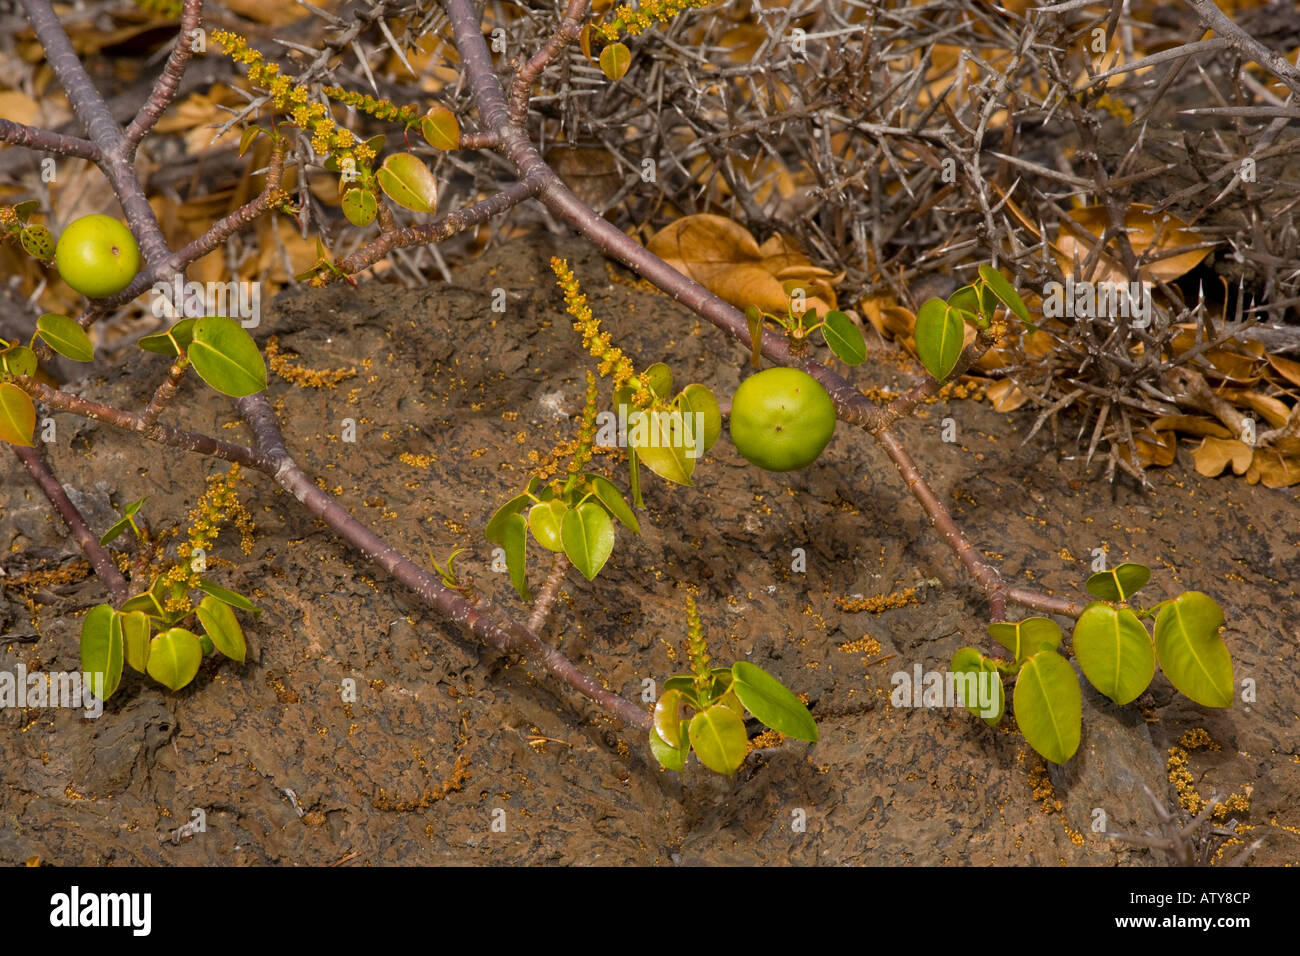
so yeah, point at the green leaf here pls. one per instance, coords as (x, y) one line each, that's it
(669, 757)
(700, 400)
(940, 337)
(37, 241)
(615, 60)
(667, 718)
(360, 206)
(970, 661)
(174, 658)
(408, 182)
(1118, 584)
(1000, 287)
(718, 737)
(225, 595)
(152, 601)
(634, 477)
(772, 702)
(101, 647)
(440, 128)
(659, 437)
(609, 496)
(17, 415)
(1049, 705)
(514, 538)
(588, 535)
(1026, 637)
(135, 638)
(684, 684)
(1114, 651)
(661, 380)
(226, 357)
(844, 338)
(220, 624)
(545, 520)
(1191, 650)
(19, 360)
(65, 336)
(495, 530)
(122, 523)
(172, 342)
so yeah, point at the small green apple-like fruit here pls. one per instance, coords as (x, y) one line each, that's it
(781, 419)
(97, 256)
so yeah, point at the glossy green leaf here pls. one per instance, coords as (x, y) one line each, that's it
(174, 657)
(514, 539)
(1026, 637)
(634, 477)
(718, 738)
(987, 698)
(173, 341)
(65, 336)
(226, 357)
(609, 496)
(136, 629)
(1118, 584)
(19, 360)
(684, 684)
(495, 530)
(151, 602)
(1191, 650)
(1049, 705)
(667, 717)
(588, 535)
(101, 647)
(661, 380)
(659, 437)
(545, 521)
(844, 338)
(226, 596)
(669, 757)
(360, 206)
(408, 182)
(17, 415)
(1000, 287)
(1114, 651)
(940, 337)
(700, 400)
(772, 702)
(122, 523)
(221, 625)
(615, 60)
(440, 128)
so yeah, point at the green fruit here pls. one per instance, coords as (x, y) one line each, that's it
(781, 419)
(97, 256)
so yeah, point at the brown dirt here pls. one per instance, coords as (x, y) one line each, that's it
(444, 733)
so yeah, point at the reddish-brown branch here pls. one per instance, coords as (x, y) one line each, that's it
(47, 141)
(169, 81)
(522, 87)
(163, 434)
(99, 558)
(163, 394)
(101, 129)
(546, 596)
(504, 635)
(440, 229)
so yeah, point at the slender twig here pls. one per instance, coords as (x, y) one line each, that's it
(100, 559)
(1213, 18)
(169, 81)
(47, 141)
(546, 596)
(163, 395)
(564, 34)
(503, 635)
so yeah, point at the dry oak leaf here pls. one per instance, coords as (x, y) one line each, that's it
(724, 257)
(1273, 470)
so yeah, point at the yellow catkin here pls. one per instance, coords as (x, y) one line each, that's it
(628, 20)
